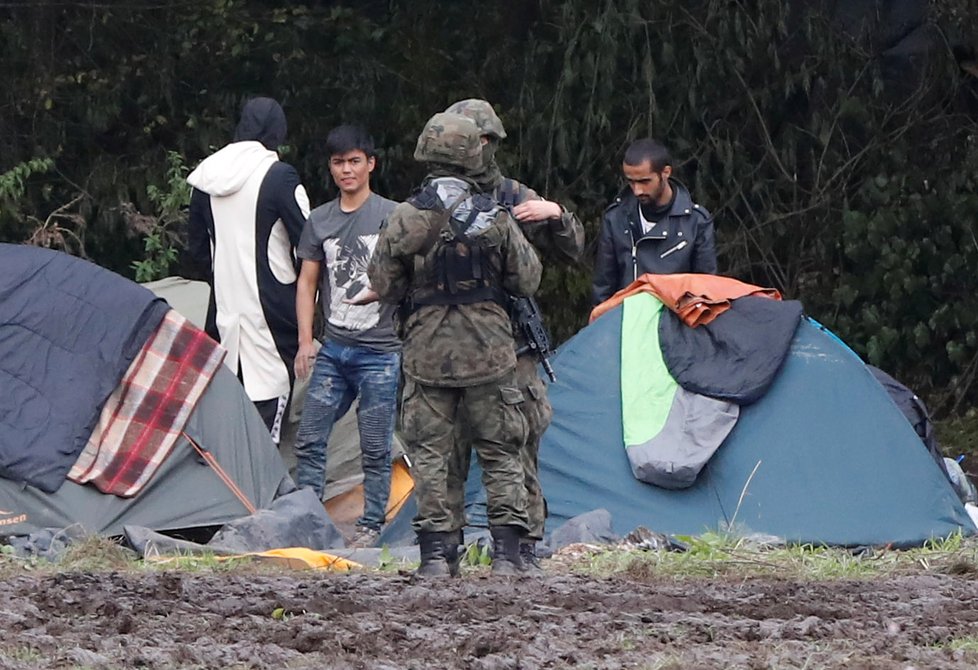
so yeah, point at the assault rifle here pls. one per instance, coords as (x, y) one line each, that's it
(528, 320)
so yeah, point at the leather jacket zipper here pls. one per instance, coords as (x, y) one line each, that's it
(631, 239)
(681, 245)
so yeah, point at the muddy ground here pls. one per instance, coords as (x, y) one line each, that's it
(386, 620)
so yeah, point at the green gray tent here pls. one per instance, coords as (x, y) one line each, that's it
(184, 493)
(57, 312)
(824, 457)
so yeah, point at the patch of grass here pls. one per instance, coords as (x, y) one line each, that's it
(715, 555)
(388, 562)
(22, 654)
(87, 555)
(97, 554)
(9, 563)
(708, 556)
(102, 554)
(477, 555)
(968, 644)
(208, 562)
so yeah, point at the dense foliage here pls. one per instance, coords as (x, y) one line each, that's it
(846, 183)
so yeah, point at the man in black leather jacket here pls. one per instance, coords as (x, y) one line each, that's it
(652, 226)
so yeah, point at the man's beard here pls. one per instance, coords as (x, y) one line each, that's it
(652, 198)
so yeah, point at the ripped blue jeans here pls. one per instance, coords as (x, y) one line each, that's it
(341, 374)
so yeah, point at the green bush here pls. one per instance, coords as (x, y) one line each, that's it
(162, 239)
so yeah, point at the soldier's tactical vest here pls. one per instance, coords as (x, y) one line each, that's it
(455, 266)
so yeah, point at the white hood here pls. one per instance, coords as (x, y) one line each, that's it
(227, 170)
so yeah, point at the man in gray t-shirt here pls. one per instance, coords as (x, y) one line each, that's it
(343, 242)
(361, 355)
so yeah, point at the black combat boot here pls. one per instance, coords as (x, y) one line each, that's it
(433, 563)
(528, 554)
(454, 551)
(506, 550)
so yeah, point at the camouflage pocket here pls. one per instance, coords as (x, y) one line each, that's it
(515, 428)
(511, 395)
(537, 409)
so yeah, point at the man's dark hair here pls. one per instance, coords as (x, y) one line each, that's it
(346, 138)
(647, 149)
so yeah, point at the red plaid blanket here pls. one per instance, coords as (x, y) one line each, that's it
(143, 418)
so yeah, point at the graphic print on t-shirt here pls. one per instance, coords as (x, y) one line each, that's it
(347, 261)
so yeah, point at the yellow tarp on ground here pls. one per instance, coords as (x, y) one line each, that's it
(299, 558)
(303, 558)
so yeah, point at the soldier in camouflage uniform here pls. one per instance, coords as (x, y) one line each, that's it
(552, 230)
(450, 256)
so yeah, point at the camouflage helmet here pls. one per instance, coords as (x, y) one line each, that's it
(450, 139)
(483, 114)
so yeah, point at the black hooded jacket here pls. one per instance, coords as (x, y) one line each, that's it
(247, 210)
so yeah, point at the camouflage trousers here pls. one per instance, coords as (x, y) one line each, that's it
(538, 412)
(493, 415)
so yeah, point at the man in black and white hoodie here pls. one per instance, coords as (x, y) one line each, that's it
(247, 210)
